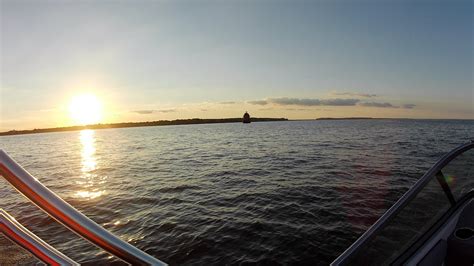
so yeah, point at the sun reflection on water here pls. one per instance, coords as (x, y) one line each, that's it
(90, 181)
(89, 162)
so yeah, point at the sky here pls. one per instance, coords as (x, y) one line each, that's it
(154, 60)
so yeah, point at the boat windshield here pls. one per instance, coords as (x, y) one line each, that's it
(420, 211)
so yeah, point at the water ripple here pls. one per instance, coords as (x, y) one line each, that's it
(264, 193)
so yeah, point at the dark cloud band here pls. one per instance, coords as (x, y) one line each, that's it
(285, 101)
(306, 102)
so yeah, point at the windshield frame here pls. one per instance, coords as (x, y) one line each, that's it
(401, 203)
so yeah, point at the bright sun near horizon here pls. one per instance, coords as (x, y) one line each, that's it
(85, 109)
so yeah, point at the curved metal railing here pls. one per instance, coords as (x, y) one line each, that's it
(23, 237)
(67, 215)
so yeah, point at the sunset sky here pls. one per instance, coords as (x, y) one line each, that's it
(153, 60)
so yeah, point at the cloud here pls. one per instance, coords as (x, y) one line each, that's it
(143, 112)
(355, 94)
(308, 102)
(166, 111)
(295, 101)
(376, 104)
(339, 102)
(409, 106)
(296, 109)
(230, 102)
(147, 112)
(313, 102)
(258, 102)
(386, 105)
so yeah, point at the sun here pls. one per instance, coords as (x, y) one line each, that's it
(85, 109)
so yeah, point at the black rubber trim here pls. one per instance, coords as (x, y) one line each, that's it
(423, 238)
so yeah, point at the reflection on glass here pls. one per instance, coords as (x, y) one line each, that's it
(419, 215)
(90, 181)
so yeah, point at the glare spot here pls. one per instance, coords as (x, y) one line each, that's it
(85, 109)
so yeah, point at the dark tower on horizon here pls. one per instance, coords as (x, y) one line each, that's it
(246, 118)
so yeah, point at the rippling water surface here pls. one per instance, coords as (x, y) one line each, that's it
(296, 192)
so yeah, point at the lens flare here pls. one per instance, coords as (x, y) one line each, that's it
(450, 179)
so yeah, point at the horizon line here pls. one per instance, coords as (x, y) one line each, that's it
(182, 121)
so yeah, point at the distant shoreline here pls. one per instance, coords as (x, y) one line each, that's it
(343, 118)
(192, 121)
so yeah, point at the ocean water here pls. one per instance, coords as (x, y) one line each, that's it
(296, 192)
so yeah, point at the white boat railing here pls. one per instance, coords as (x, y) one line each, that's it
(26, 239)
(67, 215)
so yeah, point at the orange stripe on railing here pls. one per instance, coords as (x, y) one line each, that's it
(27, 245)
(51, 210)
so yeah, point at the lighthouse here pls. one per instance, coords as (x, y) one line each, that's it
(246, 118)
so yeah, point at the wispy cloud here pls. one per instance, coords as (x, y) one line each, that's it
(147, 112)
(295, 101)
(377, 104)
(339, 102)
(258, 102)
(409, 106)
(313, 102)
(296, 109)
(230, 102)
(355, 94)
(386, 105)
(166, 111)
(144, 112)
(306, 102)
